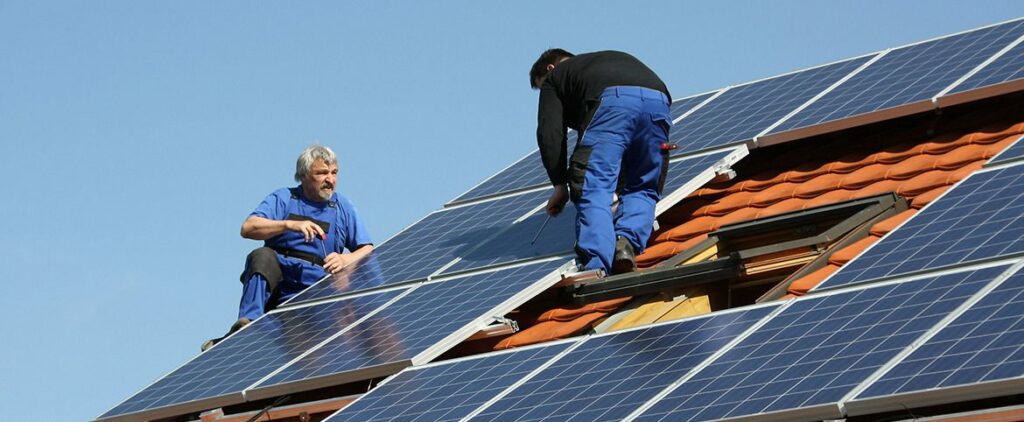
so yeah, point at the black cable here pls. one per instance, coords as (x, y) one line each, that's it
(278, 402)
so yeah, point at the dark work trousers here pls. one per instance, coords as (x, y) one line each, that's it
(625, 134)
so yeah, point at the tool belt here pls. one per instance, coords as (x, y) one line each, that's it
(292, 253)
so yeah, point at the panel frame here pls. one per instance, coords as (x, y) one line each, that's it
(945, 99)
(983, 390)
(669, 200)
(999, 159)
(257, 392)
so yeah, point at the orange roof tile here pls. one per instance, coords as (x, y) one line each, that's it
(885, 226)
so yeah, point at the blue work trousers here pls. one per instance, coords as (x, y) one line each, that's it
(624, 138)
(258, 297)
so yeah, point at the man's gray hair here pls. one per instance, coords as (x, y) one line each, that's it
(309, 155)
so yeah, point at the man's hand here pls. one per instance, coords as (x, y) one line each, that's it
(309, 229)
(334, 262)
(557, 200)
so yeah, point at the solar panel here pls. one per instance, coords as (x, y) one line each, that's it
(1008, 67)
(608, 377)
(1013, 152)
(980, 218)
(526, 173)
(366, 274)
(448, 391)
(218, 376)
(527, 240)
(742, 112)
(433, 242)
(983, 345)
(809, 356)
(907, 75)
(417, 327)
(682, 106)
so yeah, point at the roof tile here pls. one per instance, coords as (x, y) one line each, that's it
(885, 226)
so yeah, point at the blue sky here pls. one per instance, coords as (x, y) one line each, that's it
(136, 136)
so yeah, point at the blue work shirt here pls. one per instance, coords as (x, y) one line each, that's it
(346, 229)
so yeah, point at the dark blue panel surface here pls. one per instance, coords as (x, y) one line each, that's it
(818, 349)
(907, 75)
(429, 244)
(742, 112)
(415, 322)
(982, 217)
(525, 173)
(609, 377)
(251, 354)
(986, 343)
(446, 392)
(1008, 67)
(1015, 151)
(681, 106)
(558, 235)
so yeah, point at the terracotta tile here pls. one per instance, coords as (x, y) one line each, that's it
(773, 194)
(961, 156)
(922, 183)
(665, 250)
(943, 145)
(838, 195)
(806, 283)
(791, 204)
(697, 226)
(965, 171)
(885, 226)
(550, 330)
(864, 176)
(911, 167)
(569, 313)
(844, 255)
(818, 186)
(996, 148)
(729, 204)
(926, 198)
(851, 162)
(876, 189)
(806, 172)
(742, 214)
(992, 134)
(762, 181)
(895, 154)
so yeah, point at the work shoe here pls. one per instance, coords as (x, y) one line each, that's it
(624, 260)
(242, 322)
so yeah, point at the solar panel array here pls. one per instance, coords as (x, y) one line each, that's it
(448, 391)
(416, 322)
(980, 218)
(907, 75)
(256, 351)
(981, 346)
(742, 112)
(607, 377)
(818, 350)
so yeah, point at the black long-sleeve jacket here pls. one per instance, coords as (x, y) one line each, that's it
(571, 93)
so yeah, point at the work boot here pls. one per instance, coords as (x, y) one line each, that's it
(624, 260)
(242, 322)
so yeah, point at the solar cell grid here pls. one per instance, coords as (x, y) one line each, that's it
(907, 75)
(742, 112)
(984, 344)
(610, 376)
(818, 349)
(251, 354)
(1008, 67)
(429, 244)
(449, 391)
(523, 174)
(682, 106)
(980, 218)
(416, 322)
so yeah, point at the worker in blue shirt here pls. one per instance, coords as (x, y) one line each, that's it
(305, 230)
(621, 109)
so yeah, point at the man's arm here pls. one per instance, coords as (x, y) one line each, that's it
(336, 261)
(259, 228)
(551, 134)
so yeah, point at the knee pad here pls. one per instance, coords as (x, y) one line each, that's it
(263, 261)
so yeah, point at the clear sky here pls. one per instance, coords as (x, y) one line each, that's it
(136, 136)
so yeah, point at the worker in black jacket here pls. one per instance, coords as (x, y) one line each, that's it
(621, 109)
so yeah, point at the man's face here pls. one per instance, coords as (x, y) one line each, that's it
(321, 181)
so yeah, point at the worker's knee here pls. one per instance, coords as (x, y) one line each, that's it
(263, 261)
